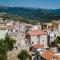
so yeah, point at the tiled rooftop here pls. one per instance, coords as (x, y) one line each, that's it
(47, 54)
(37, 46)
(36, 32)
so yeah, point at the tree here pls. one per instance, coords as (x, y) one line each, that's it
(23, 55)
(37, 55)
(9, 42)
(57, 40)
(3, 56)
(5, 46)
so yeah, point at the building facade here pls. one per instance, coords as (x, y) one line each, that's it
(37, 36)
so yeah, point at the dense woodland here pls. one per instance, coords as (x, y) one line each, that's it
(30, 14)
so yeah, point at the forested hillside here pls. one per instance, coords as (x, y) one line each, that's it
(44, 15)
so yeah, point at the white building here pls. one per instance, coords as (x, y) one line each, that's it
(51, 36)
(36, 27)
(13, 27)
(37, 36)
(3, 33)
(22, 28)
(37, 47)
(56, 27)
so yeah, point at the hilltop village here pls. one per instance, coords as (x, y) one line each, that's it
(40, 37)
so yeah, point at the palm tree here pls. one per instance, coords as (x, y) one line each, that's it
(23, 55)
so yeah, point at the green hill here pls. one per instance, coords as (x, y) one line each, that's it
(43, 15)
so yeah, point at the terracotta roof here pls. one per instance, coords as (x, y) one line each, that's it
(58, 58)
(37, 46)
(36, 32)
(47, 54)
(11, 26)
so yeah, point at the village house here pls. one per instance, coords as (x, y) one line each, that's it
(36, 27)
(24, 27)
(3, 34)
(19, 38)
(46, 26)
(46, 55)
(13, 27)
(56, 27)
(49, 55)
(37, 36)
(3, 29)
(50, 36)
(56, 56)
(37, 47)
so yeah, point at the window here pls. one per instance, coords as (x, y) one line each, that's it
(43, 40)
(38, 38)
(15, 30)
(51, 37)
(37, 41)
(43, 45)
(55, 35)
(11, 30)
(32, 42)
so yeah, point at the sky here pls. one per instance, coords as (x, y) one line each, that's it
(49, 4)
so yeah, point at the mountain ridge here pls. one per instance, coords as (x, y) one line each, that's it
(32, 13)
